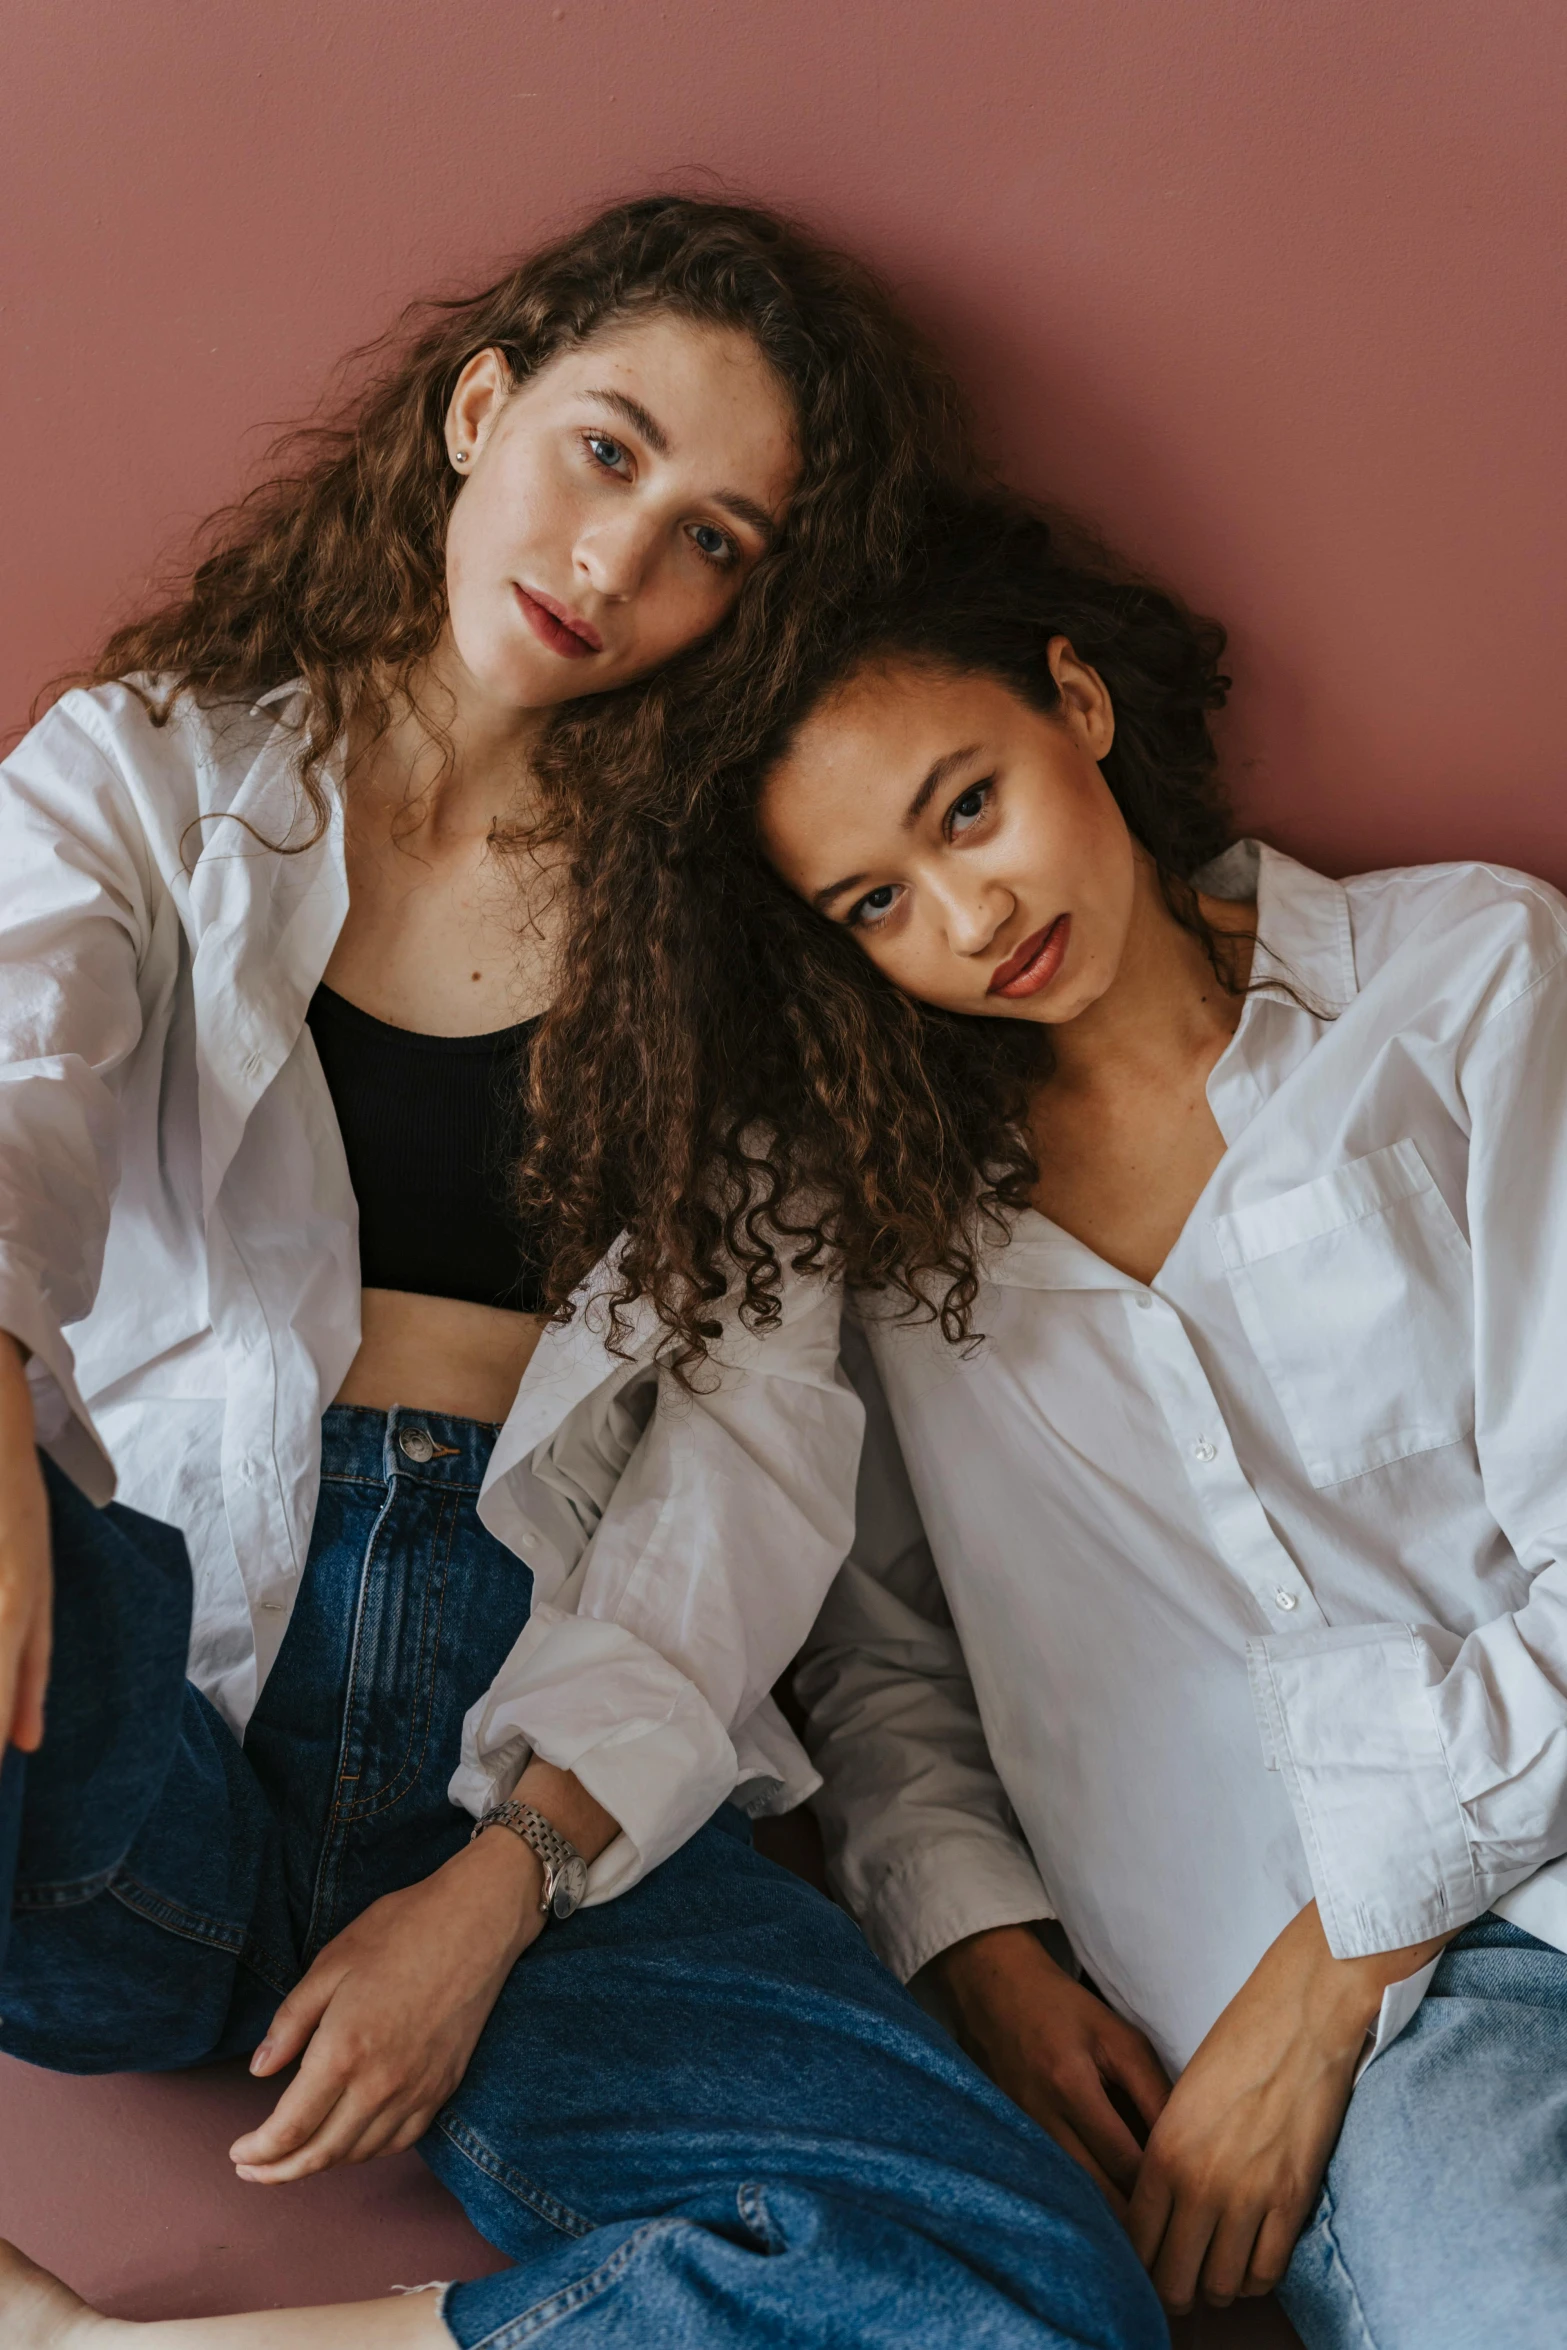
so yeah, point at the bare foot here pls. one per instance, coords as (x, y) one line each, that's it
(37, 2312)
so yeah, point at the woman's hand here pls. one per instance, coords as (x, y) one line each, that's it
(391, 2011)
(1057, 2050)
(1235, 2160)
(26, 1583)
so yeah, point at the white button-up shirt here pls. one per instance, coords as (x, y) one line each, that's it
(1251, 1584)
(178, 1250)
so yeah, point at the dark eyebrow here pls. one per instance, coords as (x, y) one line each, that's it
(916, 808)
(933, 783)
(746, 509)
(824, 897)
(734, 502)
(638, 418)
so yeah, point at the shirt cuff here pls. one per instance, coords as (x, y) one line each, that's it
(63, 1423)
(918, 1907)
(591, 1698)
(773, 1772)
(1346, 1716)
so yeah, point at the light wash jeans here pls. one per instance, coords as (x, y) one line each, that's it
(1443, 2222)
(700, 2116)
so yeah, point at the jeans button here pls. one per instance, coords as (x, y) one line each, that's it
(416, 1444)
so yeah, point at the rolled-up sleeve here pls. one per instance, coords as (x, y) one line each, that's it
(725, 1524)
(74, 923)
(921, 1841)
(1428, 1770)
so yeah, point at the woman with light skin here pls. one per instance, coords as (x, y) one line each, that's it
(1204, 1220)
(388, 1720)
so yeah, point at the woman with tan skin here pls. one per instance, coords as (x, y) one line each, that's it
(413, 1626)
(1206, 1222)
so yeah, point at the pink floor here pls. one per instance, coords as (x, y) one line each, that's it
(122, 2186)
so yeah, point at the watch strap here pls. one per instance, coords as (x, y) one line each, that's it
(560, 1857)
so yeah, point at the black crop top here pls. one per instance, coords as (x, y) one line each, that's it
(431, 1127)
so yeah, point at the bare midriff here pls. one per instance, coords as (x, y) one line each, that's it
(439, 1354)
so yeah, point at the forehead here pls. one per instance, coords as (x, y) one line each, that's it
(886, 724)
(710, 389)
(852, 768)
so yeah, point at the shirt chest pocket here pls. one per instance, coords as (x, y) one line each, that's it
(1357, 1296)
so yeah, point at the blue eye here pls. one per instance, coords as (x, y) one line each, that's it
(712, 544)
(607, 450)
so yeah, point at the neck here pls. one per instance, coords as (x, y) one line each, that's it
(1166, 1015)
(452, 760)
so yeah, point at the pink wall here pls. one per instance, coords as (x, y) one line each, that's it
(1272, 286)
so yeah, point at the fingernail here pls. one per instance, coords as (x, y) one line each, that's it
(261, 2056)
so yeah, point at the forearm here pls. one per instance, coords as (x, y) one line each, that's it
(504, 1877)
(567, 1805)
(1235, 2160)
(1339, 1999)
(26, 1604)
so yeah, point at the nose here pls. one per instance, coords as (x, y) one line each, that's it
(614, 551)
(974, 913)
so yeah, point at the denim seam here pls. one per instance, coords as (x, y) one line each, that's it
(1367, 2338)
(571, 2298)
(466, 2141)
(327, 1867)
(377, 1481)
(64, 1892)
(406, 1776)
(189, 1924)
(281, 1977)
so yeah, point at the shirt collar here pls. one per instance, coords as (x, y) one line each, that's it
(1305, 950)
(1304, 957)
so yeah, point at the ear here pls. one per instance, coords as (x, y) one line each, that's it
(480, 393)
(1085, 699)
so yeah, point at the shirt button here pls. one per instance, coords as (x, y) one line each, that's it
(416, 1444)
(1286, 1600)
(1143, 1300)
(1202, 1450)
(273, 1607)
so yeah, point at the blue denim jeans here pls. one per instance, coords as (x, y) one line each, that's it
(1443, 2221)
(700, 2115)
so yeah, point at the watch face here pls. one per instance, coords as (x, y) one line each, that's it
(571, 1882)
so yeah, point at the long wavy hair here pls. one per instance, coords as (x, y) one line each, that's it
(332, 570)
(726, 1084)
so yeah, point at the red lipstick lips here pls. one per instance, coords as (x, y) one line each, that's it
(1035, 963)
(557, 626)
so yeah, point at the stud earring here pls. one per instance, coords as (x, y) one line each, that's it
(461, 457)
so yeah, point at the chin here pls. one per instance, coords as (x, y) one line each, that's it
(515, 678)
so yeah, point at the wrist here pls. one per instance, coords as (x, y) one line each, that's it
(981, 1963)
(507, 1878)
(571, 1811)
(16, 1397)
(1345, 1994)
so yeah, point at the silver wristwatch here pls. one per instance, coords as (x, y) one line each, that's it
(565, 1870)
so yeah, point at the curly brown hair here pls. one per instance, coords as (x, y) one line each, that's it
(333, 569)
(726, 1082)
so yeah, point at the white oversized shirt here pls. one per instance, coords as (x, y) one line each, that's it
(1249, 1584)
(178, 1250)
